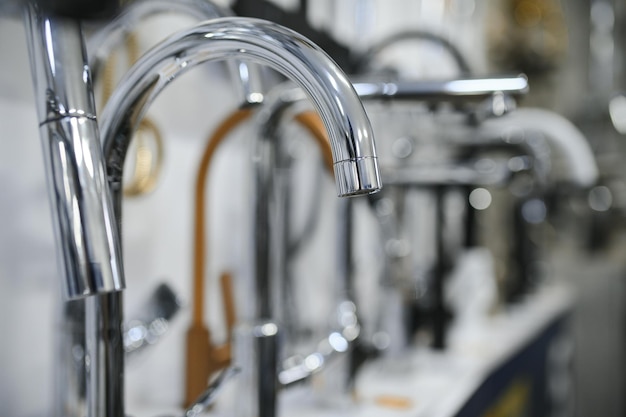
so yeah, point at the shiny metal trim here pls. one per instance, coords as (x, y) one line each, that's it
(447, 90)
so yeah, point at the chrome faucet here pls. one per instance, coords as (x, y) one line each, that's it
(281, 103)
(87, 242)
(272, 250)
(99, 45)
(355, 162)
(331, 92)
(88, 245)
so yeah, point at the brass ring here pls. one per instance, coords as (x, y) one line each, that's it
(148, 159)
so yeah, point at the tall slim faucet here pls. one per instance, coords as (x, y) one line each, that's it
(87, 242)
(70, 396)
(355, 162)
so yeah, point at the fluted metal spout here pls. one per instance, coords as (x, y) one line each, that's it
(354, 154)
(87, 241)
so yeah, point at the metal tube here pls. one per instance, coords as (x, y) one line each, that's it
(87, 241)
(261, 42)
(88, 244)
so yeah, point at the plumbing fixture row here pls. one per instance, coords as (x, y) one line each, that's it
(478, 142)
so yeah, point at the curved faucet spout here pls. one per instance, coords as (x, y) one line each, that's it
(349, 129)
(262, 42)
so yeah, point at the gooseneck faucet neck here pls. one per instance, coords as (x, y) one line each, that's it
(262, 42)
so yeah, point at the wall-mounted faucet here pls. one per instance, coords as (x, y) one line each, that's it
(261, 42)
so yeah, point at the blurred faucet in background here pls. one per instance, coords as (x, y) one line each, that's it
(98, 47)
(246, 77)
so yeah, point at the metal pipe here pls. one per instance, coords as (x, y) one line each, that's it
(555, 131)
(104, 40)
(88, 245)
(265, 43)
(262, 42)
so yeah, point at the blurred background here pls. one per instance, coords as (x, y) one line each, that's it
(474, 255)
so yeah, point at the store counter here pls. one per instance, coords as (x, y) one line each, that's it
(515, 363)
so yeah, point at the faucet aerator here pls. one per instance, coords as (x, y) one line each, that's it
(357, 176)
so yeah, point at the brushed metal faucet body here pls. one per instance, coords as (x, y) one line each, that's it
(264, 43)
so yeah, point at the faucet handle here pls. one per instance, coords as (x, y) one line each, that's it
(203, 358)
(207, 398)
(337, 342)
(146, 330)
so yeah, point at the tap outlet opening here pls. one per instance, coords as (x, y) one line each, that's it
(358, 176)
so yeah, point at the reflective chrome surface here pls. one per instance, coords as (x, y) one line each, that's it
(271, 207)
(263, 43)
(462, 89)
(104, 351)
(87, 240)
(207, 398)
